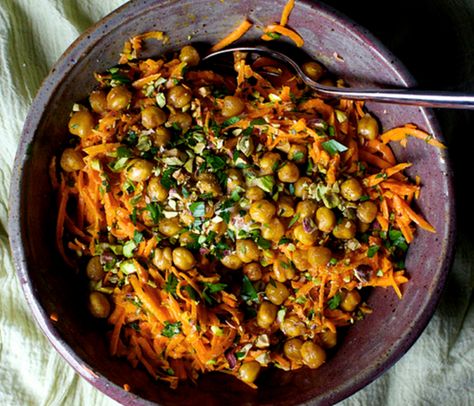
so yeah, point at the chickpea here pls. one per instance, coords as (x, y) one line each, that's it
(301, 259)
(139, 170)
(234, 180)
(186, 218)
(156, 191)
(189, 55)
(179, 96)
(367, 211)
(98, 101)
(328, 338)
(298, 153)
(282, 269)
(94, 269)
(247, 250)
(118, 98)
(266, 314)
(285, 206)
(81, 123)
(292, 326)
(301, 187)
(169, 227)
(345, 230)
(319, 256)
(368, 127)
(219, 228)
(262, 211)
(232, 106)
(207, 183)
(249, 371)
(182, 120)
(325, 219)
(253, 271)
(313, 355)
(254, 193)
(162, 258)
(350, 301)
(188, 238)
(153, 117)
(362, 227)
(301, 235)
(183, 259)
(99, 305)
(292, 349)
(161, 137)
(288, 173)
(232, 261)
(276, 292)
(269, 162)
(306, 208)
(71, 160)
(313, 69)
(351, 189)
(273, 230)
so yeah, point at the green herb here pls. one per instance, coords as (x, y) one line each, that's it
(397, 239)
(235, 155)
(215, 162)
(117, 76)
(333, 147)
(301, 300)
(161, 100)
(240, 355)
(258, 121)
(137, 237)
(231, 234)
(230, 121)
(171, 284)
(134, 325)
(128, 248)
(273, 35)
(131, 138)
(167, 179)
(155, 211)
(192, 293)
(291, 189)
(333, 261)
(335, 301)
(298, 156)
(171, 329)
(265, 183)
(294, 219)
(263, 243)
(235, 195)
(372, 250)
(211, 288)
(284, 240)
(198, 209)
(169, 371)
(331, 131)
(364, 198)
(248, 292)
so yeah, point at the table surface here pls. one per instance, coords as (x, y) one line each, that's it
(433, 38)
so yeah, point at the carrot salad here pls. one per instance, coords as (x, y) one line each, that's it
(229, 222)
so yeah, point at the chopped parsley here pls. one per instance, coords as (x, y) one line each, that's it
(171, 329)
(335, 301)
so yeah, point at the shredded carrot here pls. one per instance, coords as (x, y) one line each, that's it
(287, 32)
(286, 12)
(401, 133)
(233, 36)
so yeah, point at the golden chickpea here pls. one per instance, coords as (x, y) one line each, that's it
(254, 193)
(313, 355)
(269, 162)
(253, 271)
(345, 230)
(179, 96)
(235, 180)
(298, 153)
(368, 127)
(94, 269)
(350, 301)
(301, 259)
(118, 98)
(183, 259)
(219, 228)
(81, 123)
(99, 305)
(282, 269)
(232, 106)
(232, 261)
(189, 55)
(71, 160)
(188, 238)
(207, 183)
(292, 326)
(351, 189)
(249, 371)
(273, 230)
(186, 218)
(266, 314)
(247, 250)
(313, 69)
(292, 349)
(288, 173)
(303, 236)
(163, 258)
(285, 206)
(301, 187)
(328, 338)
(153, 117)
(182, 120)
(139, 170)
(367, 211)
(276, 292)
(319, 256)
(262, 211)
(98, 101)
(169, 227)
(306, 208)
(362, 227)
(161, 137)
(156, 191)
(325, 219)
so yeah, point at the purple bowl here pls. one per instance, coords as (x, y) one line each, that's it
(368, 348)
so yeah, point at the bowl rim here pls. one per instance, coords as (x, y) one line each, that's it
(81, 46)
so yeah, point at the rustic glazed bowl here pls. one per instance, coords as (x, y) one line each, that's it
(367, 349)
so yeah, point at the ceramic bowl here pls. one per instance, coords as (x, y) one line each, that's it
(367, 349)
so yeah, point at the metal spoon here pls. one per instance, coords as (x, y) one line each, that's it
(425, 98)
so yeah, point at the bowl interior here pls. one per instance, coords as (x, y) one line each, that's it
(368, 348)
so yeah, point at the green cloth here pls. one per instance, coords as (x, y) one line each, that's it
(437, 370)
